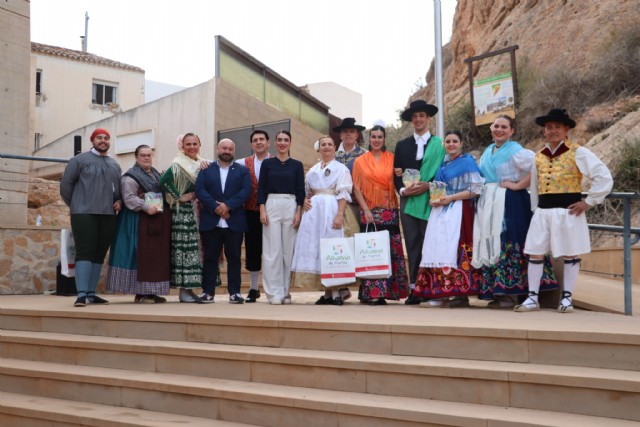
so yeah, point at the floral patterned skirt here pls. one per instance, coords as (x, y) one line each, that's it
(444, 282)
(186, 268)
(396, 286)
(508, 276)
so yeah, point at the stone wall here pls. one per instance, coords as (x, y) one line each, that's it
(28, 260)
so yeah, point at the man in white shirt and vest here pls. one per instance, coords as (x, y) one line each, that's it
(259, 140)
(559, 224)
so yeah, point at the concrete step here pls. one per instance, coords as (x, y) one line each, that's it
(580, 339)
(20, 410)
(263, 404)
(611, 393)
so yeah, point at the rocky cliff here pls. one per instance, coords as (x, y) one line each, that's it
(555, 38)
(549, 33)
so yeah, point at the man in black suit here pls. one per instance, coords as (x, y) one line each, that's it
(222, 189)
(424, 153)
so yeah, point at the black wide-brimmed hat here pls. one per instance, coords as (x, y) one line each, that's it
(416, 106)
(556, 115)
(348, 123)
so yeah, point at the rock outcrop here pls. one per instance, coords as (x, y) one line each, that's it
(549, 33)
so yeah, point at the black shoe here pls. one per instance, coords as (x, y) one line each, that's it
(413, 299)
(95, 299)
(459, 302)
(253, 295)
(324, 301)
(80, 302)
(379, 301)
(337, 301)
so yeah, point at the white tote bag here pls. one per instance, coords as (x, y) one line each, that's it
(336, 261)
(67, 253)
(372, 255)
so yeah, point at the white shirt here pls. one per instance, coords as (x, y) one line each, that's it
(257, 163)
(341, 147)
(421, 142)
(224, 172)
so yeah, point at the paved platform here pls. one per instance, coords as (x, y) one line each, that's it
(303, 310)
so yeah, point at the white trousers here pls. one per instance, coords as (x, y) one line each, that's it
(278, 240)
(556, 232)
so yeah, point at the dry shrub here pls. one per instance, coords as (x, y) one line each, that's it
(614, 75)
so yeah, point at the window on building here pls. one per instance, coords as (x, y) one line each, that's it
(37, 141)
(38, 82)
(104, 93)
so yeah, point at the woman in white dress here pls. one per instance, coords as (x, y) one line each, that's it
(328, 186)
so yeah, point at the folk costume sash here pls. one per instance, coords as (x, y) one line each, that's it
(490, 161)
(252, 203)
(462, 165)
(149, 182)
(184, 171)
(374, 179)
(418, 206)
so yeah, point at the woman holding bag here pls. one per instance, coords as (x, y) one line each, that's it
(327, 186)
(374, 190)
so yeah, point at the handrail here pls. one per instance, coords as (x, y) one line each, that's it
(40, 159)
(627, 241)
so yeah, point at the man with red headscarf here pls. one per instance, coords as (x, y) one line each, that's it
(90, 187)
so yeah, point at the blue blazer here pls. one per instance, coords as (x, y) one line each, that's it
(209, 191)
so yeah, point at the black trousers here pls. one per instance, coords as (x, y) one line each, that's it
(253, 242)
(413, 229)
(213, 241)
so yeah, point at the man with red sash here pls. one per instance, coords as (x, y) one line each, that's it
(559, 224)
(253, 238)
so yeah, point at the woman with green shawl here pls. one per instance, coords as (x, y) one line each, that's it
(178, 184)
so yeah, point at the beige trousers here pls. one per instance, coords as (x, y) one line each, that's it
(278, 240)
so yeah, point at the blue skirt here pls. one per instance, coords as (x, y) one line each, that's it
(509, 275)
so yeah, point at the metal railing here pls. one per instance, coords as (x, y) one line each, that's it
(627, 241)
(41, 159)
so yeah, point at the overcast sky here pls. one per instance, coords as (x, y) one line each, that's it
(379, 48)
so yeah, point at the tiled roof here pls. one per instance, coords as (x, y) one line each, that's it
(80, 56)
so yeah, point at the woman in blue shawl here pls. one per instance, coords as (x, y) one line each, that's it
(502, 220)
(445, 270)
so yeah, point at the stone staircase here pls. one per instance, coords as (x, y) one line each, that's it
(303, 365)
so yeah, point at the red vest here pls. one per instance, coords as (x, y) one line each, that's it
(252, 203)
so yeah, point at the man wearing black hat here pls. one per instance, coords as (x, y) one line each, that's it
(349, 150)
(422, 152)
(559, 225)
(347, 153)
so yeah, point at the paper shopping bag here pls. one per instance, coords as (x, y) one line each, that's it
(67, 253)
(372, 255)
(336, 261)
